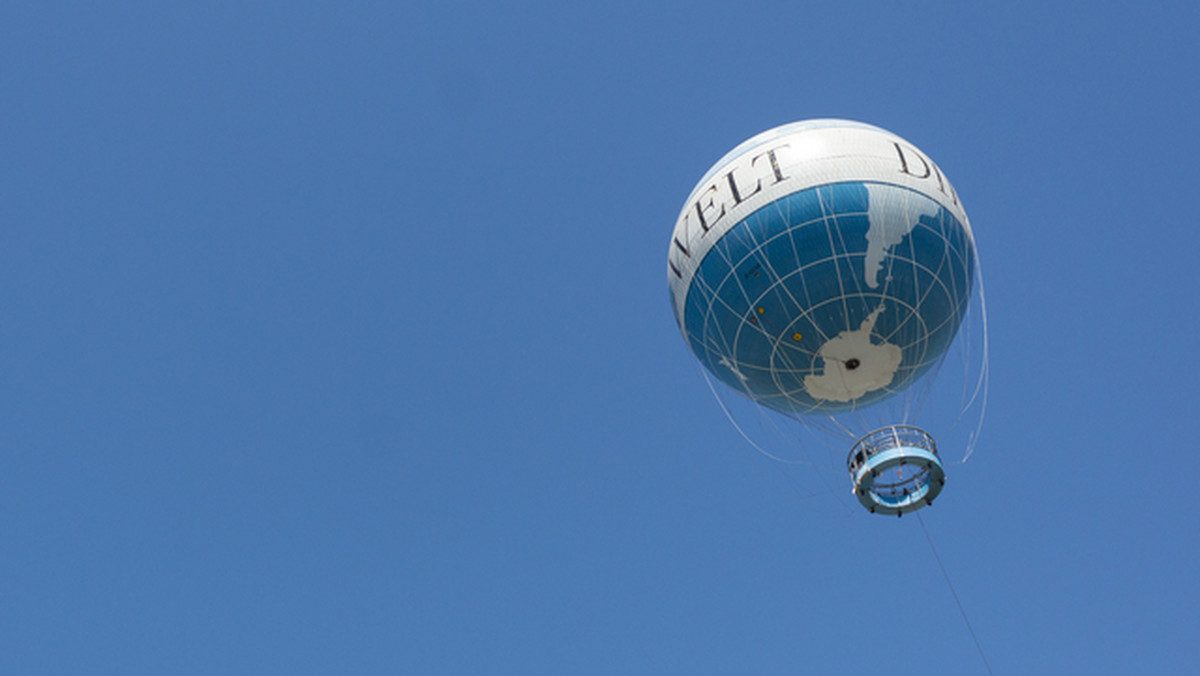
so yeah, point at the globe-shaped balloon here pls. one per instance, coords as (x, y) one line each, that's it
(821, 266)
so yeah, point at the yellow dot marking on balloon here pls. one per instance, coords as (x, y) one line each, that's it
(796, 336)
(761, 310)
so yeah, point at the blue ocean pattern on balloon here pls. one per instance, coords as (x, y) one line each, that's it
(831, 298)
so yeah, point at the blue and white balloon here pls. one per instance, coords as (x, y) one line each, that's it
(821, 266)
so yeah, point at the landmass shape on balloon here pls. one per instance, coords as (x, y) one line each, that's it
(853, 364)
(893, 213)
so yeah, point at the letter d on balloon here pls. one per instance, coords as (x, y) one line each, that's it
(904, 162)
(927, 166)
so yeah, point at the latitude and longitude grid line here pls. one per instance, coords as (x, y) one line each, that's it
(716, 296)
(757, 252)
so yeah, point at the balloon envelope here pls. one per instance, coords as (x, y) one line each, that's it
(821, 266)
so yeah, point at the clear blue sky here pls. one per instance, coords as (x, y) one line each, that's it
(336, 340)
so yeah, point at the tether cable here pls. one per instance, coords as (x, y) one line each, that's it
(954, 593)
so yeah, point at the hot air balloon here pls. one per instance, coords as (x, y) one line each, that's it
(821, 269)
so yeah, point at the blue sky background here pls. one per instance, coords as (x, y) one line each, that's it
(336, 340)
